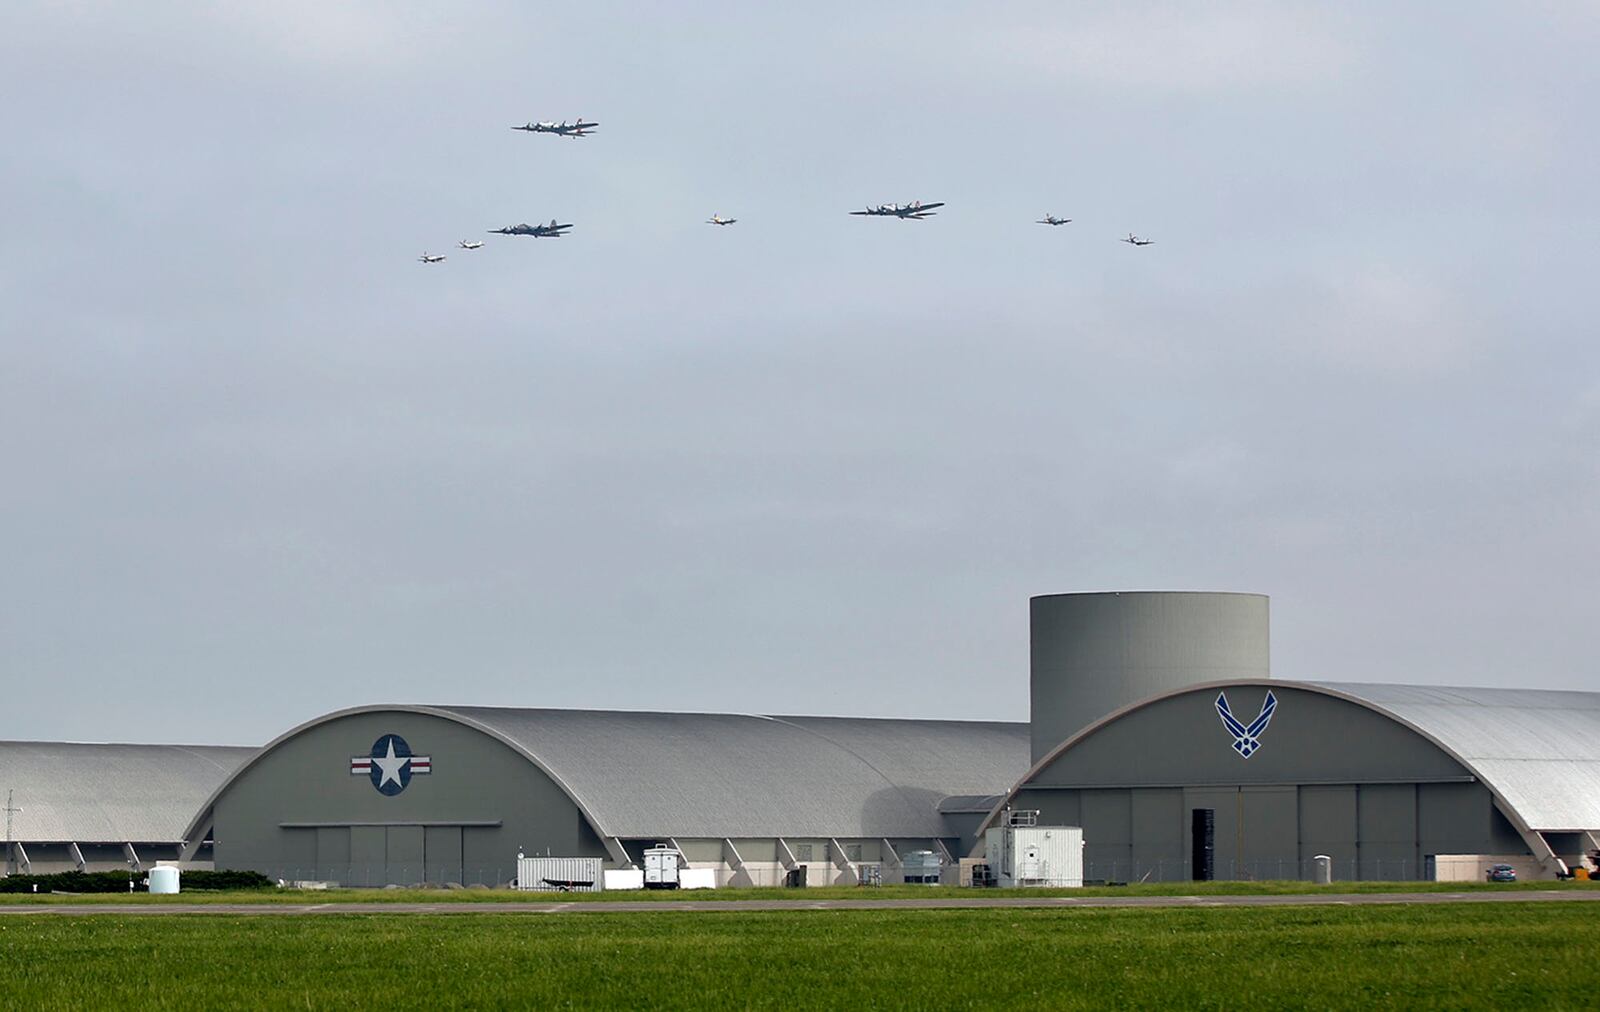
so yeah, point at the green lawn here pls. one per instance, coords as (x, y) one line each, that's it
(1449, 956)
(798, 895)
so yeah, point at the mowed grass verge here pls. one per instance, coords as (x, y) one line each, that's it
(1450, 956)
(317, 896)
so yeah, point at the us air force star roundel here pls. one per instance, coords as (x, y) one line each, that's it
(391, 764)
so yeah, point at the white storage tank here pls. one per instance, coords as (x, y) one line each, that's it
(163, 880)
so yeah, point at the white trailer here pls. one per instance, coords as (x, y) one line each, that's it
(1031, 855)
(661, 868)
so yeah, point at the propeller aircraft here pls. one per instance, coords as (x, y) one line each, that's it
(562, 129)
(551, 231)
(916, 209)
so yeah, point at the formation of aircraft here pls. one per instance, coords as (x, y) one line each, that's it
(916, 209)
(550, 231)
(562, 129)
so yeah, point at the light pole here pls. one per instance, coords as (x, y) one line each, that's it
(10, 811)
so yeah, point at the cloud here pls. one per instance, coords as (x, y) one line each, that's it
(1178, 48)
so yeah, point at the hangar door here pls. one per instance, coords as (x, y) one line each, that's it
(1257, 830)
(361, 856)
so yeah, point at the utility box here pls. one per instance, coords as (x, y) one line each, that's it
(661, 868)
(920, 867)
(1032, 855)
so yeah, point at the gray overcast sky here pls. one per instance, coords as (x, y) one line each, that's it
(258, 463)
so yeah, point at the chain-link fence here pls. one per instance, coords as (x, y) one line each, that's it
(1371, 869)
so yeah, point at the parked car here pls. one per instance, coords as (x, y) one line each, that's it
(1501, 873)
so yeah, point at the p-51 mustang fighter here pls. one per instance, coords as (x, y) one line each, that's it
(717, 219)
(552, 230)
(562, 129)
(429, 258)
(916, 209)
(1051, 219)
(1134, 240)
(470, 244)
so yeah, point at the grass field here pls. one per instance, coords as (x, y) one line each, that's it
(1499, 956)
(797, 895)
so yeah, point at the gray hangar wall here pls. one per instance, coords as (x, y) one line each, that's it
(1329, 776)
(298, 812)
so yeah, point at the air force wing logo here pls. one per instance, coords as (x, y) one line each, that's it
(1246, 740)
(391, 765)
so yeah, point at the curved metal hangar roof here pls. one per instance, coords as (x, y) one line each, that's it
(1538, 749)
(74, 792)
(701, 775)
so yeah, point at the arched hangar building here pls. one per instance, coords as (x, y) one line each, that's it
(402, 794)
(83, 806)
(1147, 708)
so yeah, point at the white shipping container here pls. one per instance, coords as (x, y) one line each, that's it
(559, 874)
(1035, 855)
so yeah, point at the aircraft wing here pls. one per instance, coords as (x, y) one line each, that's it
(929, 207)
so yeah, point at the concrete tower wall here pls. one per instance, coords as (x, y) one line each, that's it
(1095, 653)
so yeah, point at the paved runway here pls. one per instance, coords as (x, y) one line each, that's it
(741, 906)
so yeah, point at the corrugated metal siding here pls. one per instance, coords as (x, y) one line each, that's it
(78, 792)
(1539, 749)
(714, 775)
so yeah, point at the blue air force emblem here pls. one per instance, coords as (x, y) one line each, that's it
(1246, 739)
(391, 765)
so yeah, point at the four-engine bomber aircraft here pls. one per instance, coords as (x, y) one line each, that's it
(916, 209)
(717, 219)
(1051, 219)
(1134, 240)
(471, 244)
(562, 129)
(429, 258)
(550, 231)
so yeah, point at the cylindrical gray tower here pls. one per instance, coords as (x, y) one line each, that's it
(1095, 653)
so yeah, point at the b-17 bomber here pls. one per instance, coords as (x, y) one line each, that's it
(717, 219)
(562, 129)
(430, 258)
(470, 244)
(916, 209)
(1134, 240)
(550, 231)
(1051, 219)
